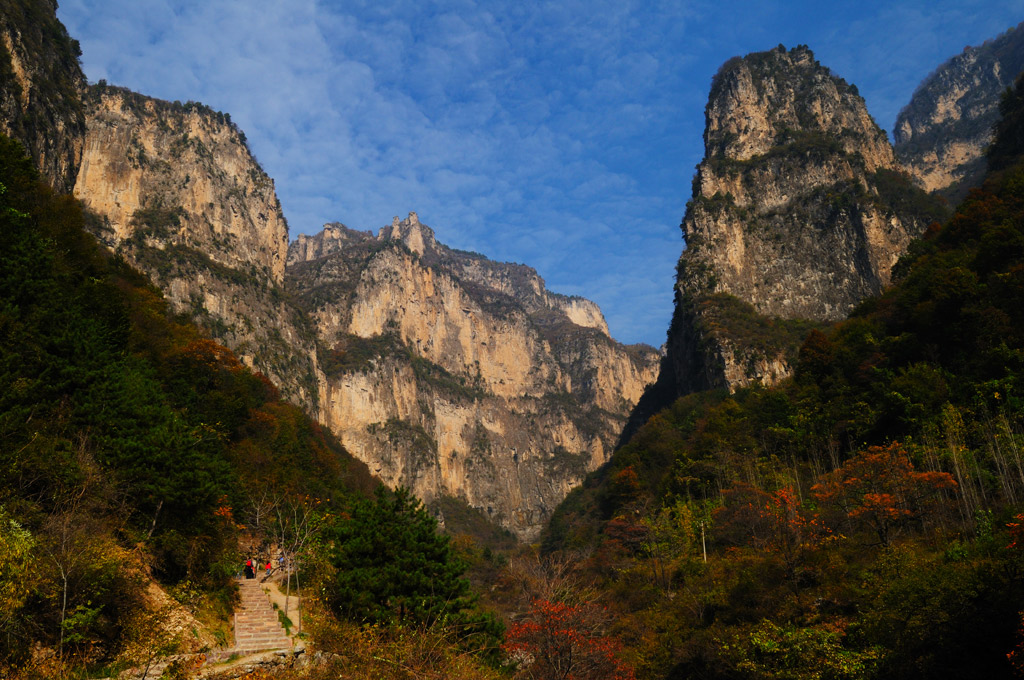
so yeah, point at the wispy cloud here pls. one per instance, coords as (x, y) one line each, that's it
(562, 134)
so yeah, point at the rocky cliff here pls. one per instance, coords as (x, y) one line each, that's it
(180, 195)
(39, 82)
(799, 211)
(448, 373)
(942, 134)
(455, 375)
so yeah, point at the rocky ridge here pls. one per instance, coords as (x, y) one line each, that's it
(943, 132)
(799, 211)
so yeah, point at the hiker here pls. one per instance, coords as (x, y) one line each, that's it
(249, 573)
(268, 568)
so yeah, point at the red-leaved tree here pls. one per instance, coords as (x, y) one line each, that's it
(774, 521)
(559, 641)
(879, 489)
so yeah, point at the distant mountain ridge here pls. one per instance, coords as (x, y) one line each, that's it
(942, 133)
(462, 376)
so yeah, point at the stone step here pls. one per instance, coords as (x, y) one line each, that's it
(257, 626)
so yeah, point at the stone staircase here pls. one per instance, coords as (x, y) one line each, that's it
(257, 627)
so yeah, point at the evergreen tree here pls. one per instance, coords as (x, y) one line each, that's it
(393, 565)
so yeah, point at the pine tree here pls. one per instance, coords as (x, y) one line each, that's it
(393, 565)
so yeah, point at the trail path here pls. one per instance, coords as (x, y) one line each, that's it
(257, 632)
(257, 627)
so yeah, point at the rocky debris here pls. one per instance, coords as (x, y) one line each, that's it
(942, 134)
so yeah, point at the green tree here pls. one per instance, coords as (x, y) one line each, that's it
(393, 565)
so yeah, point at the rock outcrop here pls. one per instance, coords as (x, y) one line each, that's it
(942, 134)
(799, 211)
(39, 83)
(180, 195)
(455, 375)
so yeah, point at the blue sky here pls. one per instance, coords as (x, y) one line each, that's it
(562, 135)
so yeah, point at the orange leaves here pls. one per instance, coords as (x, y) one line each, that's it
(1016, 657)
(774, 521)
(563, 641)
(224, 511)
(1016, 536)
(211, 354)
(880, 489)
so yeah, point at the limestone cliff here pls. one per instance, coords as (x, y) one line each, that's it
(181, 196)
(459, 376)
(799, 211)
(942, 134)
(39, 82)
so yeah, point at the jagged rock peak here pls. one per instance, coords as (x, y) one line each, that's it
(799, 211)
(758, 101)
(942, 133)
(334, 237)
(784, 138)
(417, 237)
(517, 281)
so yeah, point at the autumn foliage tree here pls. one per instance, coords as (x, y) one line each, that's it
(559, 641)
(774, 521)
(879, 489)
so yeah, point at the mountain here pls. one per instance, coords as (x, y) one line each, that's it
(799, 211)
(942, 133)
(458, 377)
(861, 519)
(181, 197)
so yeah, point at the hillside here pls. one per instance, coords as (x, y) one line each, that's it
(861, 519)
(131, 444)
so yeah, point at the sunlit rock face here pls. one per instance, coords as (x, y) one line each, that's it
(178, 192)
(942, 134)
(455, 375)
(794, 216)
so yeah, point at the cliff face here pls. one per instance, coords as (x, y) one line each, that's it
(39, 82)
(455, 375)
(182, 198)
(942, 134)
(799, 211)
